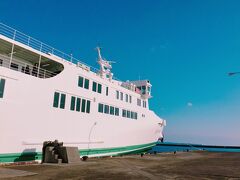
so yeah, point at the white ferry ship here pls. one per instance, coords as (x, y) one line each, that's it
(46, 94)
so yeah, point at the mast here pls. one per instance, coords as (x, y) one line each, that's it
(99, 53)
(105, 66)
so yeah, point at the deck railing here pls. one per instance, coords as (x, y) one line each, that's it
(38, 45)
(25, 67)
(42, 47)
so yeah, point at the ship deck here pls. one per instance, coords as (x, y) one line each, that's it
(182, 165)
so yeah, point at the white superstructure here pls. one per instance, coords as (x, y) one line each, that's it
(46, 94)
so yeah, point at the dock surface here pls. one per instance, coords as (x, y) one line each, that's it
(182, 165)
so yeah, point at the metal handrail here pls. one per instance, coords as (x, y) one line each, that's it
(38, 45)
(21, 67)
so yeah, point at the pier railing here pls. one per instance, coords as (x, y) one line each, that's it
(38, 45)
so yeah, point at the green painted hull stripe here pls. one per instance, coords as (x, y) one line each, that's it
(32, 156)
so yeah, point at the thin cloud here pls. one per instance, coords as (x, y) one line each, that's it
(189, 104)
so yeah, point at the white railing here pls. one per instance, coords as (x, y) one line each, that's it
(26, 68)
(38, 45)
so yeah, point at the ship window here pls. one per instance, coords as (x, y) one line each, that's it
(99, 88)
(1, 62)
(100, 108)
(117, 94)
(130, 99)
(135, 115)
(126, 97)
(106, 109)
(117, 111)
(2, 87)
(80, 81)
(94, 87)
(86, 84)
(111, 110)
(106, 91)
(83, 105)
(124, 113)
(73, 100)
(78, 104)
(121, 96)
(143, 89)
(132, 115)
(56, 99)
(88, 106)
(128, 114)
(149, 89)
(139, 102)
(62, 102)
(145, 104)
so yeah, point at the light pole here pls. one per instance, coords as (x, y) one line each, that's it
(233, 73)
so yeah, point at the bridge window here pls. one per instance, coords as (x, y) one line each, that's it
(143, 89)
(2, 87)
(130, 99)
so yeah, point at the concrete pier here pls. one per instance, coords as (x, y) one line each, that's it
(182, 165)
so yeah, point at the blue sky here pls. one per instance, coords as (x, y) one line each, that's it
(186, 48)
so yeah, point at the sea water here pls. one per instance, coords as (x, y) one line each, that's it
(172, 147)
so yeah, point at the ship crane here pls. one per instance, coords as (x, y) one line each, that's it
(105, 66)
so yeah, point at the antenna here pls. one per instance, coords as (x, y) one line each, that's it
(99, 53)
(111, 62)
(105, 66)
